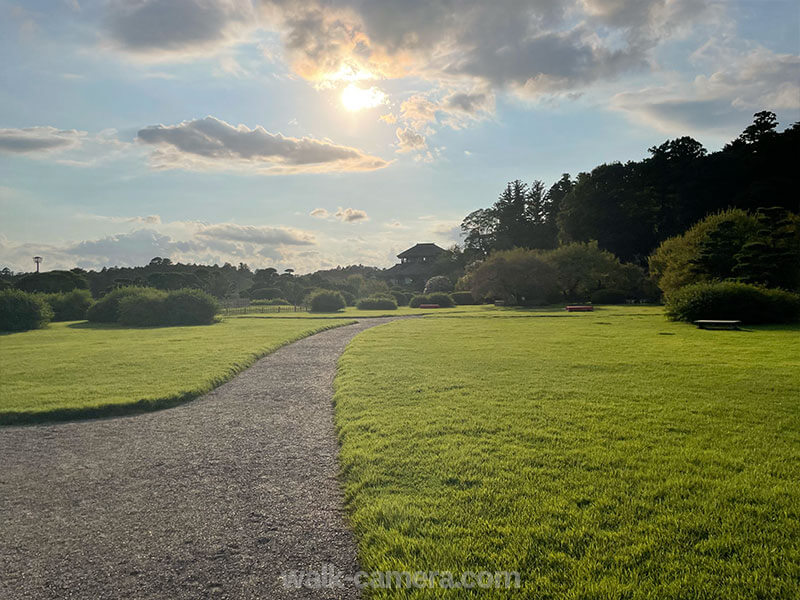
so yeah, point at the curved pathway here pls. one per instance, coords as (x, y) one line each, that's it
(215, 498)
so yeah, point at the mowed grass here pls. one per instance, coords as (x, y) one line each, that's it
(73, 370)
(605, 455)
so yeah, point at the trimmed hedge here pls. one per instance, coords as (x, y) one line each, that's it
(20, 311)
(265, 293)
(377, 303)
(69, 306)
(462, 298)
(609, 297)
(733, 300)
(400, 297)
(145, 309)
(190, 307)
(326, 301)
(440, 298)
(273, 302)
(106, 309)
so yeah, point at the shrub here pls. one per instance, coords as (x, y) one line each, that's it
(143, 309)
(439, 283)
(190, 307)
(349, 298)
(377, 303)
(733, 300)
(273, 302)
(463, 298)
(442, 299)
(516, 276)
(266, 293)
(326, 301)
(400, 297)
(611, 296)
(106, 309)
(20, 311)
(417, 300)
(69, 306)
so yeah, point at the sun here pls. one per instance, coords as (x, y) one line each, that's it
(355, 98)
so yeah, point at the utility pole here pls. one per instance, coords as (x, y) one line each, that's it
(38, 261)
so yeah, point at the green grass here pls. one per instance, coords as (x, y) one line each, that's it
(76, 370)
(605, 455)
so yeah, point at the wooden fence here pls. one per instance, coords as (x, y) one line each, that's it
(244, 307)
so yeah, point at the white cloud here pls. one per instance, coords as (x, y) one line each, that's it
(258, 234)
(212, 144)
(320, 213)
(409, 140)
(351, 215)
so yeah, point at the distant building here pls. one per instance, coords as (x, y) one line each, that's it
(415, 265)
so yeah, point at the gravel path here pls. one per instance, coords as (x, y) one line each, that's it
(215, 498)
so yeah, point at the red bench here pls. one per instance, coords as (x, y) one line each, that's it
(580, 308)
(429, 306)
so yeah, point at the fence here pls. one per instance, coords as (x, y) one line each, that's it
(244, 306)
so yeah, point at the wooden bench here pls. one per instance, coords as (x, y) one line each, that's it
(429, 306)
(579, 308)
(717, 324)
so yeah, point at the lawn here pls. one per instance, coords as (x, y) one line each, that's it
(72, 370)
(604, 455)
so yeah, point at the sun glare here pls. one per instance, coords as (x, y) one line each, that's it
(354, 98)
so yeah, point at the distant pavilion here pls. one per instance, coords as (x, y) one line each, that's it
(415, 265)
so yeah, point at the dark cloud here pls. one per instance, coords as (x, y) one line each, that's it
(37, 139)
(177, 26)
(409, 140)
(213, 144)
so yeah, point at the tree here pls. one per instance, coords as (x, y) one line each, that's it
(771, 256)
(438, 283)
(517, 276)
(582, 268)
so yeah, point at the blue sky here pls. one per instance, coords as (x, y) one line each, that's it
(311, 134)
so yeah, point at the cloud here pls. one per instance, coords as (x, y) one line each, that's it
(741, 83)
(212, 144)
(258, 234)
(320, 213)
(351, 215)
(38, 140)
(168, 29)
(409, 140)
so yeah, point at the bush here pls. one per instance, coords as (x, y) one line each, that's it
(442, 299)
(145, 309)
(266, 293)
(190, 307)
(106, 309)
(733, 300)
(273, 302)
(417, 300)
(439, 283)
(326, 301)
(20, 311)
(69, 306)
(349, 298)
(400, 297)
(461, 298)
(516, 276)
(609, 297)
(377, 303)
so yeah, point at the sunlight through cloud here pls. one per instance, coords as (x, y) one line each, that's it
(355, 98)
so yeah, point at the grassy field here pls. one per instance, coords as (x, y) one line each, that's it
(72, 370)
(605, 455)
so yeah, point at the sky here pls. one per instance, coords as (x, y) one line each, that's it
(308, 134)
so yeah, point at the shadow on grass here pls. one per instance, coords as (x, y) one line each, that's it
(118, 326)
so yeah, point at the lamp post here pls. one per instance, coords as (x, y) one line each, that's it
(38, 261)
